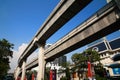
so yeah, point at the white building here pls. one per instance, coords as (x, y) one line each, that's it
(109, 52)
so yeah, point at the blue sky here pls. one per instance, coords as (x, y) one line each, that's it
(21, 19)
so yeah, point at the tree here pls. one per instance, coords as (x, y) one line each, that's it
(91, 55)
(80, 60)
(29, 74)
(75, 58)
(67, 70)
(80, 63)
(5, 54)
(47, 73)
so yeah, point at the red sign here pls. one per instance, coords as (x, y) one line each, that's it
(89, 70)
(51, 75)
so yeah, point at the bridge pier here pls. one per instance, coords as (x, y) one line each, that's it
(17, 73)
(41, 62)
(23, 70)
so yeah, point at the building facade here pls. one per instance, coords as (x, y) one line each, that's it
(109, 52)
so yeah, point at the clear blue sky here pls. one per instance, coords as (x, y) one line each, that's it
(21, 19)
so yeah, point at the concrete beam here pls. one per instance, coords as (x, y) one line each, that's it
(65, 10)
(32, 64)
(101, 24)
(104, 22)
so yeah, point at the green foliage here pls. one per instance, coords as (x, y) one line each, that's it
(78, 58)
(92, 55)
(80, 61)
(63, 78)
(5, 54)
(47, 72)
(65, 64)
(75, 58)
(29, 74)
(66, 71)
(100, 78)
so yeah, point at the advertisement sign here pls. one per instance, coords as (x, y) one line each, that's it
(116, 71)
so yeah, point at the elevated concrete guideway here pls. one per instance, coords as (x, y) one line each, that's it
(65, 10)
(104, 22)
(32, 64)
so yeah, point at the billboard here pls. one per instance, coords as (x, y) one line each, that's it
(116, 71)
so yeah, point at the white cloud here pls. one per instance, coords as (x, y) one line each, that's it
(16, 55)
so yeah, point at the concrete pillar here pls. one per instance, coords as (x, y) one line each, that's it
(23, 70)
(111, 71)
(41, 62)
(17, 71)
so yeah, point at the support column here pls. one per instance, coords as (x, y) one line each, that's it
(23, 70)
(41, 62)
(17, 73)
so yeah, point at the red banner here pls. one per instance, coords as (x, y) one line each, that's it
(51, 75)
(33, 76)
(89, 70)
